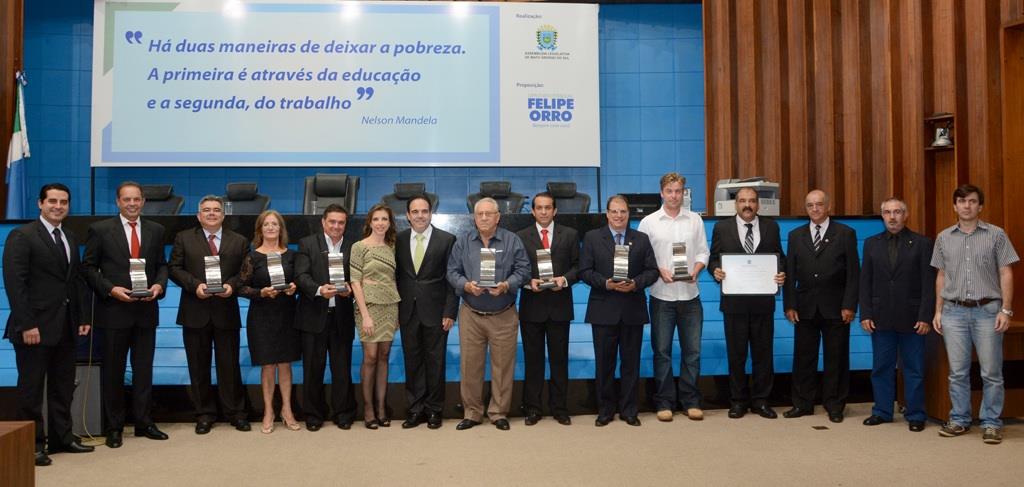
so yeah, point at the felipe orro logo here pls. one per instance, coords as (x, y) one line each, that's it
(547, 38)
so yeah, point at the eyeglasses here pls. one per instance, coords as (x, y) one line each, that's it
(486, 213)
(211, 210)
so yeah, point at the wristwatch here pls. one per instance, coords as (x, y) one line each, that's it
(1007, 312)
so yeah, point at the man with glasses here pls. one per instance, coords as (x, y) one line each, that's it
(210, 320)
(897, 301)
(488, 317)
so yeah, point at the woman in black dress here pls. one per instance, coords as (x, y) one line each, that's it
(273, 342)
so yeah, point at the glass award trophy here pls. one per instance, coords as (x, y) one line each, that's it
(680, 263)
(336, 270)
(488, 260)
(276, 271)
(545, 269)
(214, 285)
(620, 264)
(137, 273)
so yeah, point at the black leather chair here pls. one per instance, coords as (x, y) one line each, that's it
(161, 200)
(567, 200)
(405, 191)
(501, 191)
(245, 199)
(326, 189)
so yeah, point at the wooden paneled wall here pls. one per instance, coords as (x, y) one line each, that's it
(833, 94)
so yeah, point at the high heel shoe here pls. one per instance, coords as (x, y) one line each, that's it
(292, 425)
(267, 429)
(370, 424)
(382, 417)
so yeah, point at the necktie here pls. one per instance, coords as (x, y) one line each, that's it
(135, 247)
(60, 246)
(748, 241)
(817, 238)
(893, 243)
(417, 253)
(213, 244)
(618, 239)
(544, 242)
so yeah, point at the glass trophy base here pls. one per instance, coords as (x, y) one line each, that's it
(486, 284)
(143, 293)
(341, 288)
(547, 285)
(280, 287)
(215, 290)
(686, 278)
(621, 279)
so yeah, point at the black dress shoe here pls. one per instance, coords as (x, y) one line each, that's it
(345, 424)
(114, 439)
(313, 426)
(631, 420)
(602, 420)
(764, 411)
(151, 432)
(434, 421)
(917, 426)
(873, 420)
(532, 419)
(242, 424)
(796, 412)
(414, 420)
(563, 419)
(75, 446)
(42, 460)
(737, 411)
(466, 424)
(835, 416)
(502, 424)
(203, 427)
(370, 424)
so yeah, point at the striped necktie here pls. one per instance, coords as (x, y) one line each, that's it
(817, 238)
(748, 241)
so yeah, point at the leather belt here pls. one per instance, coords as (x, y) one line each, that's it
(488, 313)
(972, 303)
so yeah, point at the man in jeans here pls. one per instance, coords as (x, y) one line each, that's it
(675, 304)
(974, 296)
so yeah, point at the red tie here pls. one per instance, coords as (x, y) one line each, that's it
(213, 245)
(544, 238)
(135, 241)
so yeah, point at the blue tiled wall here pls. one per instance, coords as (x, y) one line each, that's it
(170, 366)
(652, 118)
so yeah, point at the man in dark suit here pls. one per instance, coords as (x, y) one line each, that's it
(749, 320)
(820, 300)
(617, 310)
(211, 320)
(426, 312)
(48, 310)
(325, 318)
(897, 302)
(129, 323)
(546, 313)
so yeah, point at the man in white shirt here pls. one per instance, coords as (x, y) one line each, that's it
(675, 300)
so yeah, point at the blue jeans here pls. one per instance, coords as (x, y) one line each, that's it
(688, 318)
(961, 328)
(909, 347)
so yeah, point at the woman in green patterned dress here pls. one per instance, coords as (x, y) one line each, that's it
(372, 264)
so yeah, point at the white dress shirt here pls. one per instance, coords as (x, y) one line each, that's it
(63, 239)
(426, 240)
(824, 228)
(551, 233)
(216, 240)
(741, 226)
(663, 230)
(128, 231)
(331, 248)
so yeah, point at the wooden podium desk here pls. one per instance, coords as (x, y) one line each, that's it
(17, 453)
(936, 380)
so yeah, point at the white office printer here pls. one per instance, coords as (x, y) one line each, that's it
(725, 195)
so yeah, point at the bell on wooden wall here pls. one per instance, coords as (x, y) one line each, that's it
(942, 137)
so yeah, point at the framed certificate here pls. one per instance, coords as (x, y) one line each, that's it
(750, 274)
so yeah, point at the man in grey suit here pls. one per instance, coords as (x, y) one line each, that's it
(426, 313)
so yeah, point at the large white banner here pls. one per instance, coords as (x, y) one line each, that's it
(328, 83)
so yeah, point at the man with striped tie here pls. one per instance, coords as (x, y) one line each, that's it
(820, 300)
(749, 319)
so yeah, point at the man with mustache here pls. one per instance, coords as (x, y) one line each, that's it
(897, 301)
(749, 320)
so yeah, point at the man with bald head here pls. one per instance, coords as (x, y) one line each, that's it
(820, 299)
(487, 317)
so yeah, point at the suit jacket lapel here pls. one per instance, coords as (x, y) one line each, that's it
(433, 247)
(119, 237)
(827, 238)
